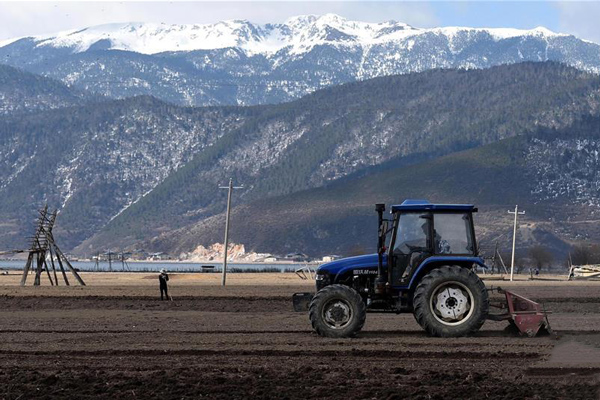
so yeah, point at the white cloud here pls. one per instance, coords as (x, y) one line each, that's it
(35, 18)
(580, 19)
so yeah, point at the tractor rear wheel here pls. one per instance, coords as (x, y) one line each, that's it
(451, 302)
(337, 311)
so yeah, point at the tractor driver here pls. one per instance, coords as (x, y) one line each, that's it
(441, 245)
(411, 242)
(410, 237)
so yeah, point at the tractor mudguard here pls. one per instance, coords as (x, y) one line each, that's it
(442, 260)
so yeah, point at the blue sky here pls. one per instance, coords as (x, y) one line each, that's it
(34, 18)
(499, 14)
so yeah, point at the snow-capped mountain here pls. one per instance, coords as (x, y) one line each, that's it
(238, 62)
(299, 35)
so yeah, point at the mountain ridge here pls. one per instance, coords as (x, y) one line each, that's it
(240, 63)
(299, 32)
(22, 92)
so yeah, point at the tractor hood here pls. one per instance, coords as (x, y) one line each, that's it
(336, 267)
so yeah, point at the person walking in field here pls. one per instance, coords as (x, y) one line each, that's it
(163, 278)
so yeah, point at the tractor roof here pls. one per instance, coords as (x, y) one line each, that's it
(424, 205)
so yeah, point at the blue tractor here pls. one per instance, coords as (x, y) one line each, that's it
(424, 265)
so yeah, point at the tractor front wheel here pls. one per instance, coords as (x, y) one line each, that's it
(451, 302)
(337, 311)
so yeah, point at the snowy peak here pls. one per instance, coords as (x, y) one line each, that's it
(150, 38)
(300, 34)
(497, 33)
(239, 62)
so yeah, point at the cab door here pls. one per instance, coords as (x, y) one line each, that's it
(412, 245)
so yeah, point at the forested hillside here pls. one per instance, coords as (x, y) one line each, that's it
(21, 92)
(339, 132)
(550, 173)
(92, 162)
(125, 171)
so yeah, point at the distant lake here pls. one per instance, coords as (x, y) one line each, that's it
(155, 266)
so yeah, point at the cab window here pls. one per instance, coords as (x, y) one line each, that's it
(412, 233)
(453, 234)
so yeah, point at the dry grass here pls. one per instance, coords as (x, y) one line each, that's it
(253, 279)
(136, 284)
(146, 284)
(176, 279)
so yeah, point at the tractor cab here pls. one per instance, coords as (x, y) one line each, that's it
(421, 230)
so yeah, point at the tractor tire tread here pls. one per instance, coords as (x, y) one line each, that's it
(351, 296)
(422, 311)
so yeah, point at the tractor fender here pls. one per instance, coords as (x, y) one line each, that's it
(437, 261)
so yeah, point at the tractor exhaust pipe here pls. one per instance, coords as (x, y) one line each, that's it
(381, 280)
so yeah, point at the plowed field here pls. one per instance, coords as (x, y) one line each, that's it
(244, 341)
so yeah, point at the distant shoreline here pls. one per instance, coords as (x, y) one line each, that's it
(207, 262)
(229, 262)
(173, 266)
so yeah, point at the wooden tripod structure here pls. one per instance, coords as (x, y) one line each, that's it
(42, 246)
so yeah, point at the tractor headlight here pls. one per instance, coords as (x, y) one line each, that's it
(322, 280)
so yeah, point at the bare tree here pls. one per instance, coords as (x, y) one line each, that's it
(584, 254)
(519, 261)
(541, 256)
(519, 264)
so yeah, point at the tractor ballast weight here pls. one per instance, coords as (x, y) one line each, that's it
(426, 267)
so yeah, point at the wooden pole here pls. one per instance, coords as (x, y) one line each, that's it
(502, 263)
(47, 270)
(224, 276)
(512, 263)
(53, 266)
(62, 269)
(61, 255)
(49, 227)
(230, 188)
(26, 269)
(494, 258)
(38, 271)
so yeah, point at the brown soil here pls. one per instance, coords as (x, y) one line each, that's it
(244, 342)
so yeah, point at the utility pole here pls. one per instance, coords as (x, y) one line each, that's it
(230, 189)
(512, 264)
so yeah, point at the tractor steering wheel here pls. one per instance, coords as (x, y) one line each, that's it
(414, 249)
